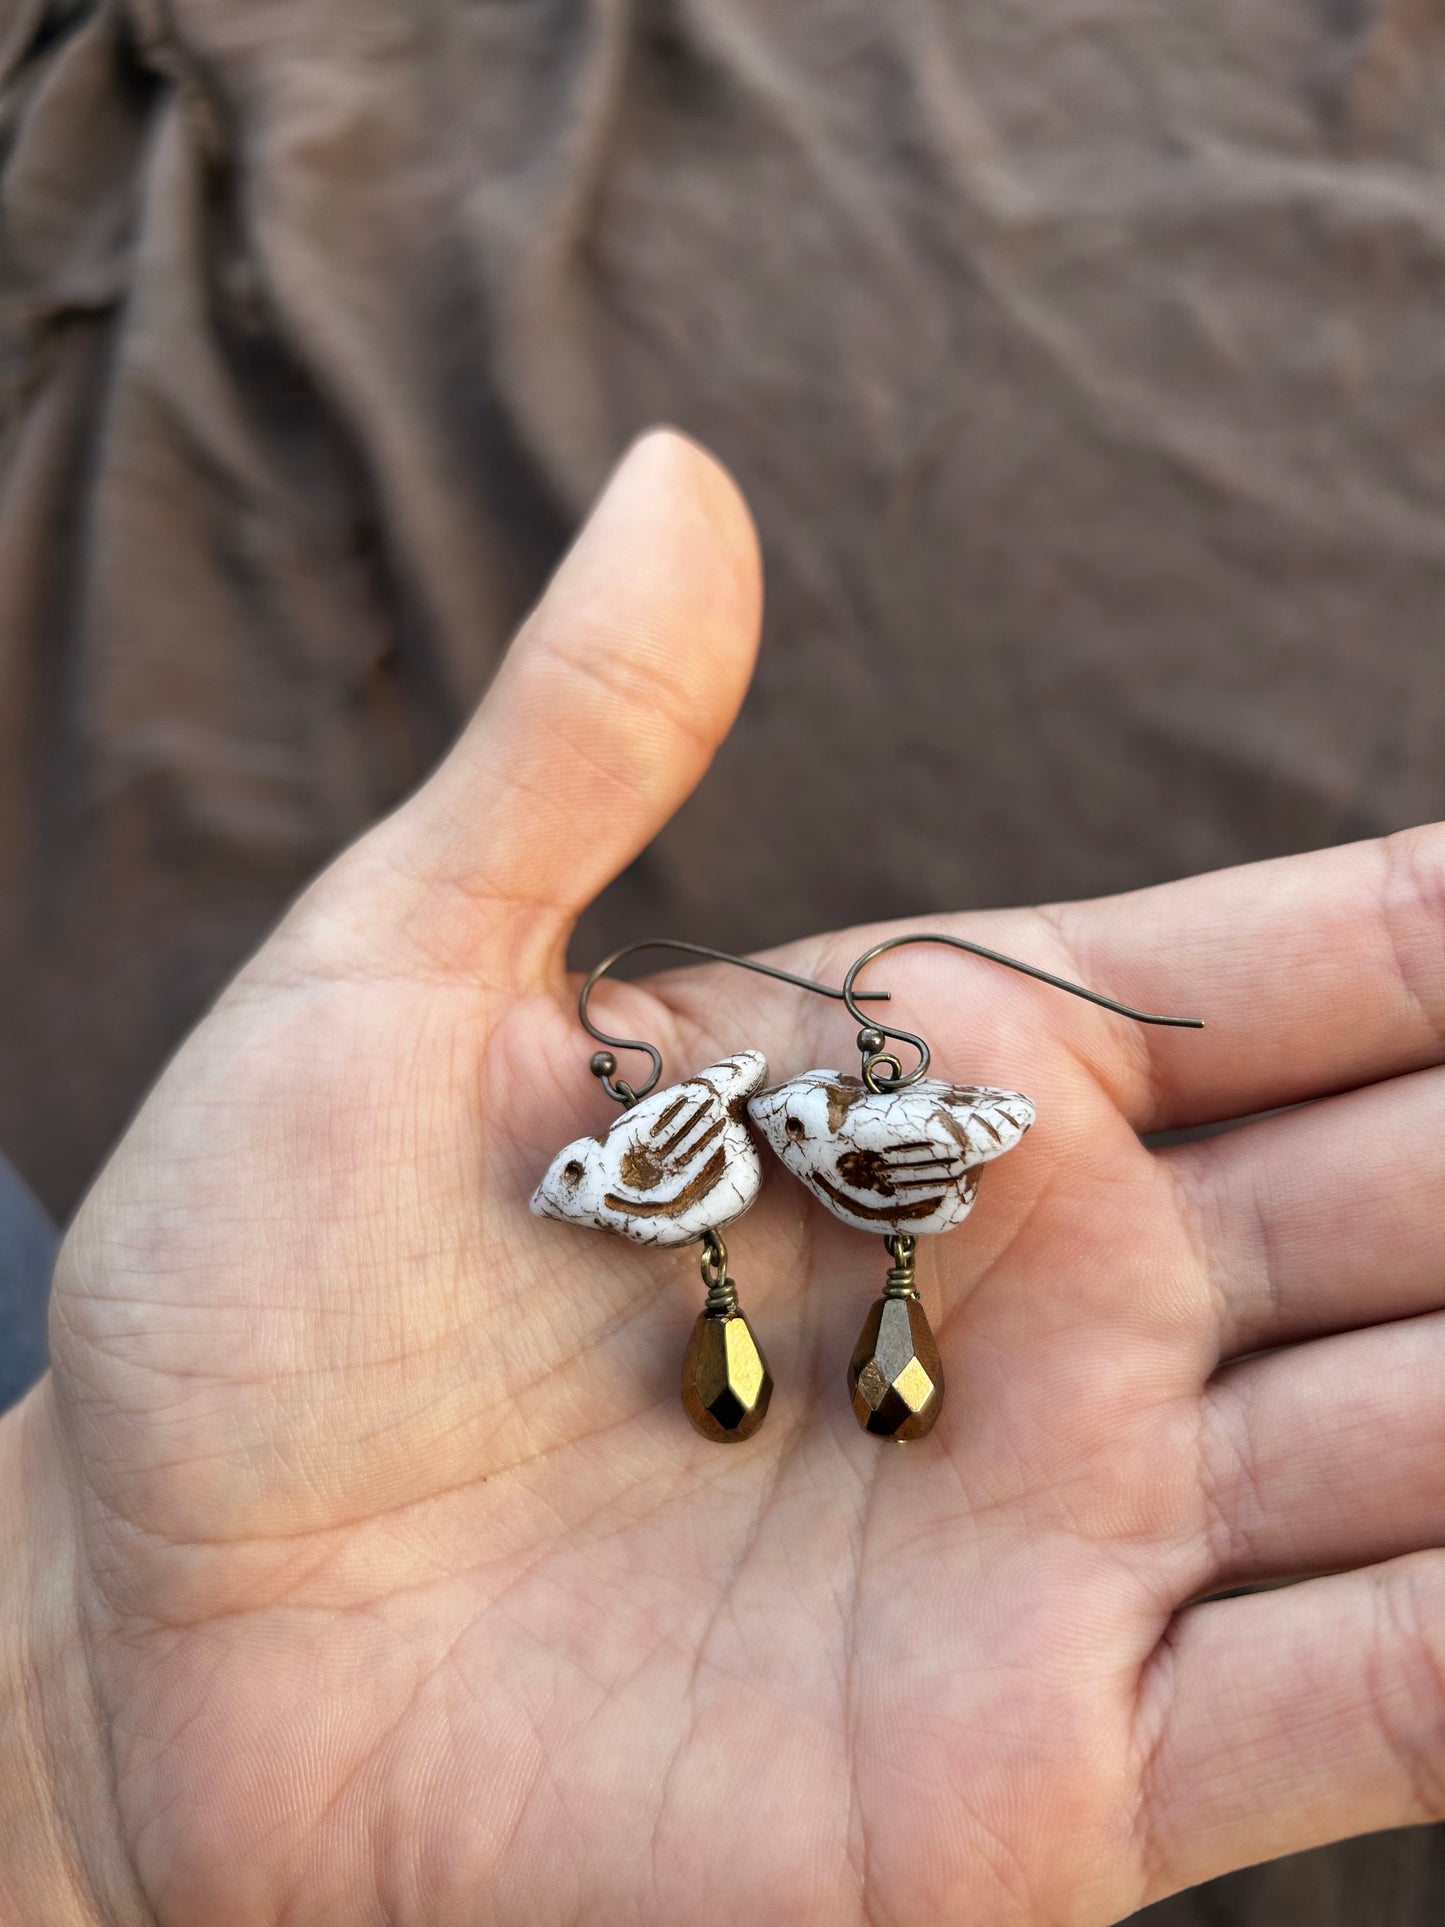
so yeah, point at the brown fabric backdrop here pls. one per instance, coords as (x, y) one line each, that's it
(1084, 365)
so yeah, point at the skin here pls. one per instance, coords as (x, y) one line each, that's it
(365, 1567)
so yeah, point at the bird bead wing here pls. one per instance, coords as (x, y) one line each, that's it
(890, 1161)
(677, 1164)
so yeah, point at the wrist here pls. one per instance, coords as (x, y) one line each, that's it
(62, 1863)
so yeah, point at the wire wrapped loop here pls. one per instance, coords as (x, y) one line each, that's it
(903, 1250)
(722, 1293)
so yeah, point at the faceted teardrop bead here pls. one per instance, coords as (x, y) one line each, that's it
(895, 1378)
(726, 1384)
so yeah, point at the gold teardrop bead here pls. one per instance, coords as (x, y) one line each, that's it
(895, 1377)
(726, 1384)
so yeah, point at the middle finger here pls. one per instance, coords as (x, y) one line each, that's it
(1323, 1218)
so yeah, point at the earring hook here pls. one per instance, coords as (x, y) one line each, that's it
(925, 1055)
(604, 1064)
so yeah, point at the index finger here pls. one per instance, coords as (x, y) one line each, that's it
(1314, 974)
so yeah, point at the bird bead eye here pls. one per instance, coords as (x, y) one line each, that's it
(572, 1171)
(794, 1127)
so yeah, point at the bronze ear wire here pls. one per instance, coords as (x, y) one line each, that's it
(873, 1052)
(678, 1164)
(892, 1151)
(604, 1064)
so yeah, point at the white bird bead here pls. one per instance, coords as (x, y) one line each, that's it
(889, 1161)
(677, 1164)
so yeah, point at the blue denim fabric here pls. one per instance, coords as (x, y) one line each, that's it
(28, 1243)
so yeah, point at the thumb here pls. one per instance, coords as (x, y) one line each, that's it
(601, 721)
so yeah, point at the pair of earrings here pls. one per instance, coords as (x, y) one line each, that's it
(886, 1151)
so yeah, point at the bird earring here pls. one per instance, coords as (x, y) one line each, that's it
(900, 1153)
(676, 1166)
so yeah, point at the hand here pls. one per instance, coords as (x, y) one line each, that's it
(406, 1594)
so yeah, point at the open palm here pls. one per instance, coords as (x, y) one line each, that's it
(409, 1595)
